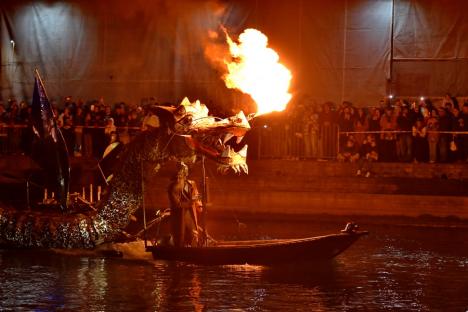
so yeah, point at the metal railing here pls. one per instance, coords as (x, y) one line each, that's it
(456, 141)
(276, 141)
(17, 138)
(292, 142)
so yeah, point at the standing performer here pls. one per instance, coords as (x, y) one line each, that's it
(185, 205)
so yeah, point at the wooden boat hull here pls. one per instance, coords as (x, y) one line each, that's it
(268, 252)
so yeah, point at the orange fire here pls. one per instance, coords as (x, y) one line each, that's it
(254, 69)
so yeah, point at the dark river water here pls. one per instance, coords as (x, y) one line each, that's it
(398, 267)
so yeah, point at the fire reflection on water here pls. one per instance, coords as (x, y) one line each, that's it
(195, 292)
(92, 282)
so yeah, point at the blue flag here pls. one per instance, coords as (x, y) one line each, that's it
(49, 149)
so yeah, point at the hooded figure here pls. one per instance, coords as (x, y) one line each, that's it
(185, 205)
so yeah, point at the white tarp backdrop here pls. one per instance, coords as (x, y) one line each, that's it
(337, 50)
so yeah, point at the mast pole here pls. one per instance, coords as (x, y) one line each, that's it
(204, 200)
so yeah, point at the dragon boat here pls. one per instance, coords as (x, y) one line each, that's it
(187, 134)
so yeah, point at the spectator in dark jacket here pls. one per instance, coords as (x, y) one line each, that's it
(405, 139)
(349, 153)
(445, 124)
(388, 138)
(368, 155)
(464, 138)
(420, 144)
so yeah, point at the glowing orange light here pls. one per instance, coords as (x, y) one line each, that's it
(255, 70)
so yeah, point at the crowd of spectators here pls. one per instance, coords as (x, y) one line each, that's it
(399, 130)
(394, 130)
(87, 128)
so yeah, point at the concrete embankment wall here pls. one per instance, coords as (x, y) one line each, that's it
(297, 188)
(309, 187)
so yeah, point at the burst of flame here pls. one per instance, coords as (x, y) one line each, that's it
(254, 69)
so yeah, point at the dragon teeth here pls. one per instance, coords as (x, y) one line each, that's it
(227, 137)
(245, 168)
(243, 120)
(243, 151)
(226, 152)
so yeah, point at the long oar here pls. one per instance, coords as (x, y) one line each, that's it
(151, 223)
(204, 202)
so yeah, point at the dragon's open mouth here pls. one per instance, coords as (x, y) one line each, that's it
(219, 139)
(226, 146)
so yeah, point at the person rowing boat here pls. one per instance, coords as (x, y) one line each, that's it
(185, 202)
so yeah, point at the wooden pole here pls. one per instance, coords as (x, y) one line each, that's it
(27, 194)
(204, 201)
(338, 143)
(143, 203)
(102, 173)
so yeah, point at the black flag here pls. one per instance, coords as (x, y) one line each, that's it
(49, 148)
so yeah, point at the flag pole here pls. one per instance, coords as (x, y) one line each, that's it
(46, 119)
(38, 76)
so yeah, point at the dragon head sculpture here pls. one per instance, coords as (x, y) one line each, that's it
(218, 139)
